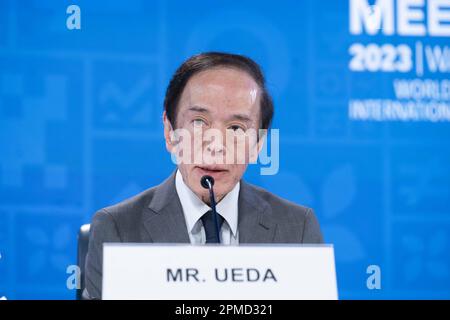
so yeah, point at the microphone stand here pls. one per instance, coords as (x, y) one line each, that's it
(207, 182)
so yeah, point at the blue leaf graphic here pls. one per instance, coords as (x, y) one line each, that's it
(298, 190)
(347, 245)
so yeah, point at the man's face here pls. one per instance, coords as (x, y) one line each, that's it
(227, 101)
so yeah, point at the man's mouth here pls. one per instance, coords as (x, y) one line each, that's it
(212, 170)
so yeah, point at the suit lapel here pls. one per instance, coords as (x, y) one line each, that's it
(255, 221)
(165, 220)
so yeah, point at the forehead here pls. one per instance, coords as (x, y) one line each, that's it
(223, 88)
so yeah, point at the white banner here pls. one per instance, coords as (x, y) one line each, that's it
(176, 272)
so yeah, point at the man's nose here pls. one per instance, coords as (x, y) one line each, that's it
(215, 147)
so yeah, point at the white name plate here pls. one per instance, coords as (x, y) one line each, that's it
(215, 272)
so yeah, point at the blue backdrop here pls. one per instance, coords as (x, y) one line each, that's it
(80, 127)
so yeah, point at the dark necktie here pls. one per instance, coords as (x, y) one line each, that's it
(210, 227)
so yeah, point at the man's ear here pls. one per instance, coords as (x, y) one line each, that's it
(168, 133)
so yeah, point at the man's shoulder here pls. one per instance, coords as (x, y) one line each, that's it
(124, 216)
(131, 204)
(295, 223)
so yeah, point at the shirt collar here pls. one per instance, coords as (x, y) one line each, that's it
(194, 208)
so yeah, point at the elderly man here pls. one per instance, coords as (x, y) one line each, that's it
(210, 91)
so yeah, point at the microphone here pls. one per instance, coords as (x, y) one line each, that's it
(207, 182)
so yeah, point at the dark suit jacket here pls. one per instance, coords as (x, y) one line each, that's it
(156, 215)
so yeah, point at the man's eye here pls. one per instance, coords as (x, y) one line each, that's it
(198, 122)
(237, 128)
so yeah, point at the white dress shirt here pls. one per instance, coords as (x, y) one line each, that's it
(194, 208)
